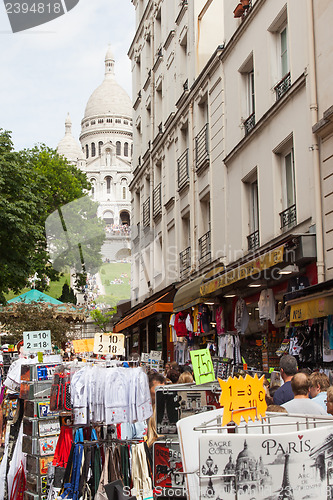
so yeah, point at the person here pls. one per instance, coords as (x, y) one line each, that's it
(276, 409)
(155, 379)
(300, 384)
(319, 383)
(173, 375)
(185, 378)
(330, 400)
(288, 368)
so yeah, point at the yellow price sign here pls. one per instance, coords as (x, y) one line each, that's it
(242, 397)
(202, 366)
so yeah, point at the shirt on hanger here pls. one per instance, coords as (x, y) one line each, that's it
(241, 316)
(180, 324)
(266, 305)
(219, 318)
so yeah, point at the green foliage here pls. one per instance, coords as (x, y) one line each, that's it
(102, 319)
(68, 295)
(33, 184)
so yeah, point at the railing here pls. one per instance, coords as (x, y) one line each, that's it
(185, 261)
(146, 213)
(250, 123)
(282, 87)
(157, 200)
(183, 174)
(201, 147)
(288, 217)
(253, 240)
(204, 248)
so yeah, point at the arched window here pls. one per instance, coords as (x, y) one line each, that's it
(124, 193)
(87, 151)
(118, 148)
(108, 180)
(100, 144)
(126, 149)
(93, 149)
(132, 149)
(93, 187)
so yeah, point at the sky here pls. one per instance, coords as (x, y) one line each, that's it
(50, 70)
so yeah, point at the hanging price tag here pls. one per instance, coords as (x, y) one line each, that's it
(242, 397)
(202, 366)
(109, 343)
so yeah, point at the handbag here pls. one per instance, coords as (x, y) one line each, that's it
(142, 483)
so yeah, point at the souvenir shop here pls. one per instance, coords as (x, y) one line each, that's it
(241, 314)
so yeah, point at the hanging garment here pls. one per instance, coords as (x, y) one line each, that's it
(116, 397)
(173, 334)
(219, 318)
(79, 396)
(63, 447)
(204, 318)
(266, 305)
(241, 316)
(17, 459)
(180, 324)
(327, 351)
(195, 320)
(142, 483)
(330, 329)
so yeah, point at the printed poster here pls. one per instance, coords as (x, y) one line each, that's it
(291, 466)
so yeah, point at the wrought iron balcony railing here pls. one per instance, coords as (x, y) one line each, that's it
(204, 248)
(157, 200)
(250, 123)
(253, 241)
(201, 147)
(146, 213)
(282, 87)
(183, 173)
(288, 217)
(185, 262)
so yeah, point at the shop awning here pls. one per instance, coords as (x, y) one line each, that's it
(311, 307)
(144, 312)
(243, 271)
(188, 295)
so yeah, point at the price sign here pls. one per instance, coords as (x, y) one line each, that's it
(39, 341)
(242, 397)
(106, 343)
(155, 355)
(145, 357)
(85, 345)
(202, 366)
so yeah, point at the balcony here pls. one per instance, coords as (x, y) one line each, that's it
(146, 213)
(253, 241)
(185, 262)
(183, 173)
(157, 201)
(282, 87)
(288, 217)
(204, 249)
(249, 123)
(201, 148)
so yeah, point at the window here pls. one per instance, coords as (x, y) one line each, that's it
(117, 120)
(118, 148)
(93, 187)
(289, 180)
(87, 151)
(100, 144)
(124, 193)
(254, 207)
(284, 52)
(250, 88)
(109, 120)
(100, 120)
(108, 180)
(251, 213)
(92, 122)
(93, 149)
(285, 152)
(126, 149)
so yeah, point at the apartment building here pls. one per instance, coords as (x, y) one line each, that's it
(226, 190)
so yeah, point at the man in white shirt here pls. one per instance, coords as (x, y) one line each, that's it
(301, 403)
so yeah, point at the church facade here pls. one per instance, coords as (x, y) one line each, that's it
(105, 155)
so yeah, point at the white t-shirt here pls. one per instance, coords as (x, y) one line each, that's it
(305, 406)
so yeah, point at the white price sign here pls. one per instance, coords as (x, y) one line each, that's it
(109, 343)
(155, 355)
(38, 341)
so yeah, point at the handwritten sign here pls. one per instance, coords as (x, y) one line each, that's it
(106, 343)
(242, 397)
(203, 368)
(38, 341)
(83, 345)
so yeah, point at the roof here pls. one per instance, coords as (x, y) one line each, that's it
(34, 296)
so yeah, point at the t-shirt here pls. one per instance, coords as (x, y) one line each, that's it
(305, 406)
(283, 394)
(321, 399)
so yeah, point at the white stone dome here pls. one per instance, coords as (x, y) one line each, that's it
(68, 146)
(109, 97)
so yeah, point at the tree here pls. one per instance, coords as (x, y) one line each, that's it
(34, 183)
(102, 319)
(36, 316)
(67, 295)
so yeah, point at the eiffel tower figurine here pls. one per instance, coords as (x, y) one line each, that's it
(286, 491)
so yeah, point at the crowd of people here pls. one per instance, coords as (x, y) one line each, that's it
(302, 392)
(118, 229)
